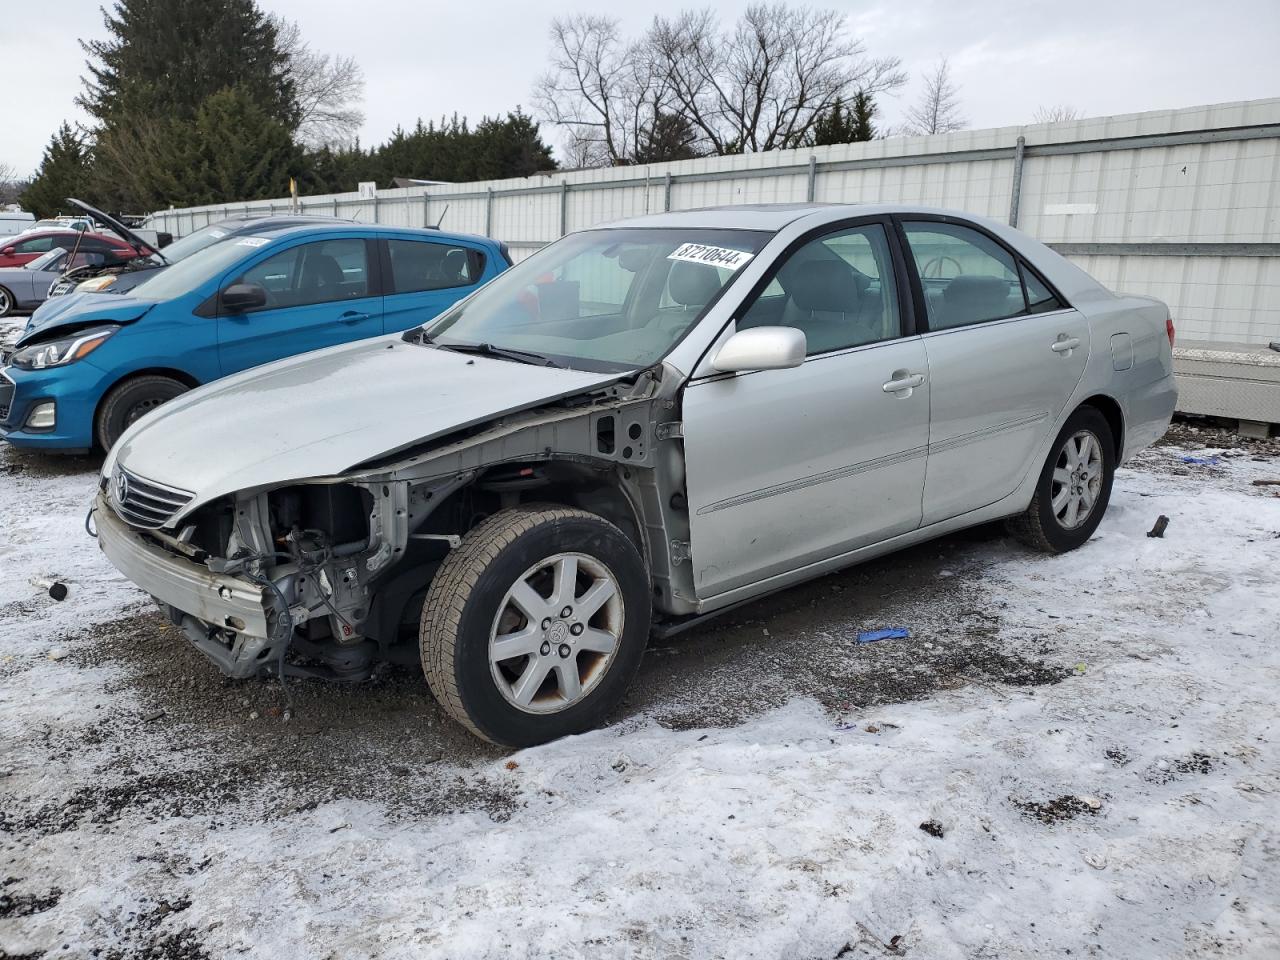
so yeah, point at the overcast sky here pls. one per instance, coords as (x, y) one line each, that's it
(432, 58)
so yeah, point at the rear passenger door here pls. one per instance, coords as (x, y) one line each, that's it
(1005, 356)
(423, 278)
(319, 293)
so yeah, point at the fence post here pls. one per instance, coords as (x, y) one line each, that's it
(666, 192)
(1015, 195)
(375, 207)
(426, 199)
(813, 178)
(488, 212)
(564, 206)
(335, 207)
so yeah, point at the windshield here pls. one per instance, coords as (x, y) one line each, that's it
(202, 238)
(47, 261)
(605, 300)
(185, 276)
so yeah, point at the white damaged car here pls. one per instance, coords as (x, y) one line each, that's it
(631, 430)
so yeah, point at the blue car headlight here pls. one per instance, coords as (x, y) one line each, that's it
(64, 350)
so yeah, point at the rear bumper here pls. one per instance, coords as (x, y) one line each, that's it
(225, 617)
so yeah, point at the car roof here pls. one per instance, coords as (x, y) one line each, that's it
(772, 217)
(328, 225)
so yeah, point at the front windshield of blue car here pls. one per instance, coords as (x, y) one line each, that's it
(194, 242)
(185, 275)
(607, 300)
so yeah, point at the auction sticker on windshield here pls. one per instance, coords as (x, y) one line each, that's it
(725, 257)
(253, 241)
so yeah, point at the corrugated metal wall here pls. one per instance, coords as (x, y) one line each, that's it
(1183, 205)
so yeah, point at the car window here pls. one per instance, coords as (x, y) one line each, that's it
(36, 244)
(425, 265)
(321, 272)
(1040, 299)
(967, 277)
(839, 289)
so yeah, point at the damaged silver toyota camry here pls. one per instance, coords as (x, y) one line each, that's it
(635, 428)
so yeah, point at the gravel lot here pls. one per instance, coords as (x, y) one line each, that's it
(1069, 754)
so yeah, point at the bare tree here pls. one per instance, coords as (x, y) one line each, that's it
(1056, 113)
(760, 86)
(329, 89)
(11, 186)
(604, 91)
(763, 85)
(938, 110)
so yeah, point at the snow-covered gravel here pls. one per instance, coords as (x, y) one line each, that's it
(1128, 811)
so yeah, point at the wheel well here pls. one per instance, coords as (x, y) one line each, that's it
(181, 376)
(1114, 416)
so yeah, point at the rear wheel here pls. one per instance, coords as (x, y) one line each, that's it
(1074, 486)
(534, 627)
(127, 402)
(7, 302)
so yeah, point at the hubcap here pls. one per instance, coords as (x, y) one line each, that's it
(4, 303)
(556, 633)
(1077, 479)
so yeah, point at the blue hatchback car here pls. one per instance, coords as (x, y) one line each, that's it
(91, 364)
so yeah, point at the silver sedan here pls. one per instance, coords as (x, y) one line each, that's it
(632, 430)
(24, 288)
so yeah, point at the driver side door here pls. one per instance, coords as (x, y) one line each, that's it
(787, 468)
(319, 294)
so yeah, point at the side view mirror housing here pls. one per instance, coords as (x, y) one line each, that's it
(244, 296)
(9, 251)
(762, 348)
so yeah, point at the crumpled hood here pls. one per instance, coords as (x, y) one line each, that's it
(78, 308)
(320, 414)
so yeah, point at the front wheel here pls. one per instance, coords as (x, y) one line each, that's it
(7, 303)
(1074, 486)
(127, 402)
(533, 628)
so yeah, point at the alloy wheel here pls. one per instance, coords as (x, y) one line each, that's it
(556, 633)
(1077, 479)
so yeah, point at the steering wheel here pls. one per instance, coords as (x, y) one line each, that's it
(935, 265)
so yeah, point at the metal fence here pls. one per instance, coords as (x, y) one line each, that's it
(1183, 204)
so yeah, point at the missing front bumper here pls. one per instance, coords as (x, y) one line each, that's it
(223, 616)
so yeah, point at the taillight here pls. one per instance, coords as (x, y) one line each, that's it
(1168, 328)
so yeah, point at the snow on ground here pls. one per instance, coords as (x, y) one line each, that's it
(1129, 810)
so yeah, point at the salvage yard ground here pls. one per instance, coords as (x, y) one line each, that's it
(1073, 754)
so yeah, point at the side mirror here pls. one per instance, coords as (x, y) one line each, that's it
(762, 348)
(244, 296)
(9, 251)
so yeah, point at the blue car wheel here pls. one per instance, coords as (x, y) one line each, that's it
(127, 402)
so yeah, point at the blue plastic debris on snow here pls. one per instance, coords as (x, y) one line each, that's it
(1203, 461)
(888, 633)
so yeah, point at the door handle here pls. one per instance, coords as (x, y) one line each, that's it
(351, 316)
(903, 383)
(1064, 344)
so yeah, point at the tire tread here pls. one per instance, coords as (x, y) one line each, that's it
(453, 585)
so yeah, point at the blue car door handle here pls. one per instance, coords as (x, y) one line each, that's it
(352, 316)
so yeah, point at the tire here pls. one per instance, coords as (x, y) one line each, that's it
(471, 603)
(127, 401)
(1057, 530)
(7, 303)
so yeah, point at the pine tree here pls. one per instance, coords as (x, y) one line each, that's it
(62, 173)
(164, 58)
(846, 125)
(669, 137)
(240, 151)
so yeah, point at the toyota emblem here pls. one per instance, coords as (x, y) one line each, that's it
(122, 486)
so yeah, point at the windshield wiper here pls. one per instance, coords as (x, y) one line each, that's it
(489, 350)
